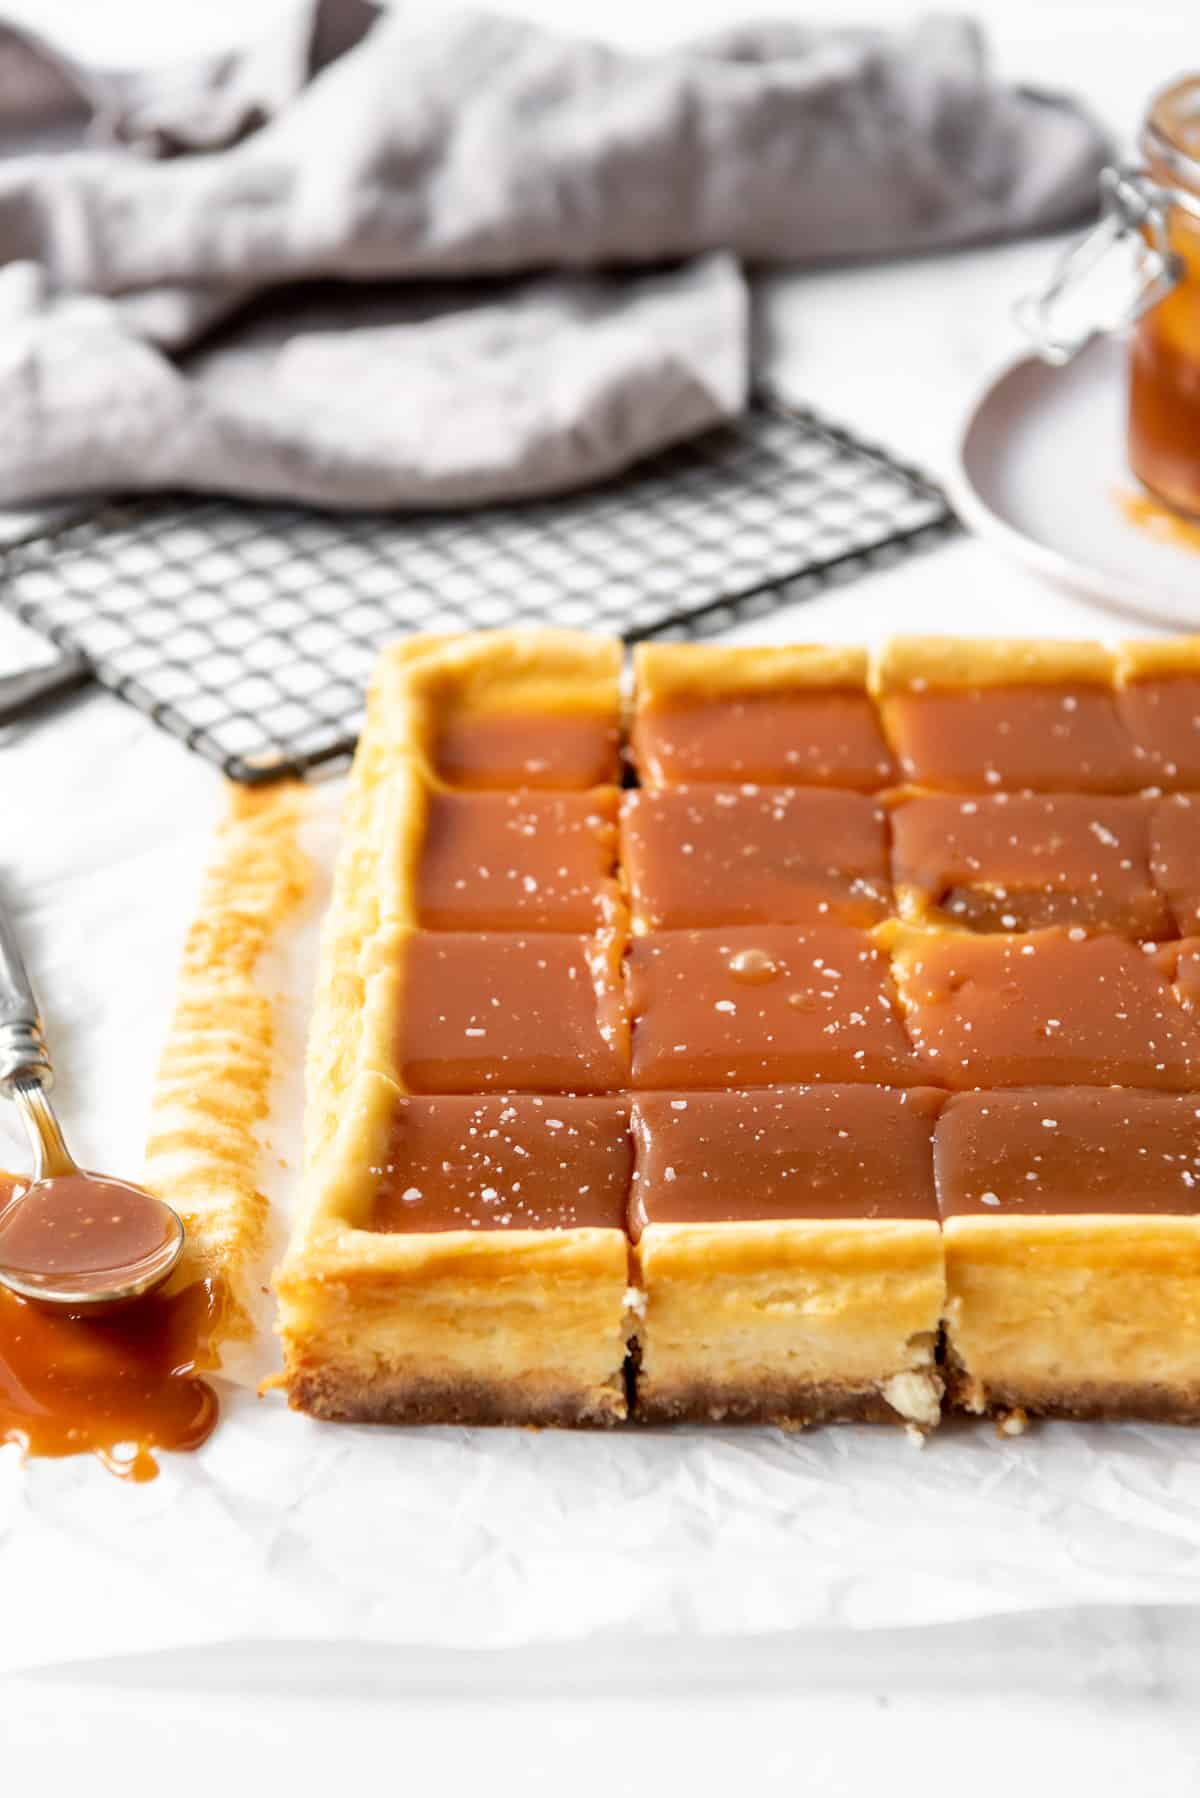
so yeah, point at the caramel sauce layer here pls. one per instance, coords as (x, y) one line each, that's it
(815, 738)
(1007, 862)
(1163, 720)
(1175, 858)
(1056, 1007)
(696, 856)
(518, 861)
(120, 1386)
(1071, 1152)
(796, 1152)
(508, 1013)
(501, 751)
(516, 1163)
(763, 1005)
(1048, 738)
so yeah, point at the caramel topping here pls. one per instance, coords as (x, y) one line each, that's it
(1050, 738)
(1054, 1008)
(497, 751)
(505, 1013)
(1076, 1152)
(1163, 719)
(1182, 962)
(815, 738)
(119, 1386)
(506, 1164)
(753, 855)
(518, 861)
(1005, 862)
(1175, 858)
(826, 1011)
(797, 1152)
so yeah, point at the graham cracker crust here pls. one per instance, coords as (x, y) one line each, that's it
(334, 1396)
(788, 1407)
(1097, 1401)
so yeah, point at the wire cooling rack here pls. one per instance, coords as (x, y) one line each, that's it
(249, 631)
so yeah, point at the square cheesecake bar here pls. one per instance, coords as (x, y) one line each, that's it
(1003, 862)
(1158, 694)
(788, 1248)
(1071, 1221)
(967, 715)
(794, 716)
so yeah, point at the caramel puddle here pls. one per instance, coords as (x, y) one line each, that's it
(119, 1387)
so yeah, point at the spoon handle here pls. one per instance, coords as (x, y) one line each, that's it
(24, 1059)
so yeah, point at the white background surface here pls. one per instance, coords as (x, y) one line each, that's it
(1105, 1700)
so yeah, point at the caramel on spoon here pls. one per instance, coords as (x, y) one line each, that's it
(72, 1239)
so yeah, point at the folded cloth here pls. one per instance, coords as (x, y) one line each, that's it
(161, 235)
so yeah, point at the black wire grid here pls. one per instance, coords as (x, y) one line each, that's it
(249, 631)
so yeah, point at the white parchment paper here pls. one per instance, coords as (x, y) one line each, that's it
(281, 1528)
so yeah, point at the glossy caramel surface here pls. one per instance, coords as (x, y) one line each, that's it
(120, 1387)
(794, 1152)
(828, 738)
(1162, 717)
(512, 1013)
(759, 1005)
(1056, 1007)
(1072, 1152)
(518, 861)
(506, 752)
(1175, 858)
(698, 856)
(519, 1163)
(1053, 737)
(1007, 862)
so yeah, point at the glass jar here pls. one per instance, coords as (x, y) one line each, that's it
(1164, 367)
(1140, 266)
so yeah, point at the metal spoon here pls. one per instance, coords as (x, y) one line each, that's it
(71, 1238)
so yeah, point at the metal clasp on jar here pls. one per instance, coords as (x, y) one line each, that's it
(1113, 274)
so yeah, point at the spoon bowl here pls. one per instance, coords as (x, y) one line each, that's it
(68, 1238)
(86, 1242)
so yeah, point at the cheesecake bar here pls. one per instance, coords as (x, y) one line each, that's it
(1071, 1223)
(966, 715)
(794, 716)
(1019, 861)
(765, 1005)
(788, 1248)
(471, 1265)
(1054, 1007)
(1158, 693)
(706, 855)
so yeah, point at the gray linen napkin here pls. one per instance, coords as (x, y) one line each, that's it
(395, 259)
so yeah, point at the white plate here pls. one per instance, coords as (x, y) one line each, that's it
(1040, 466)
